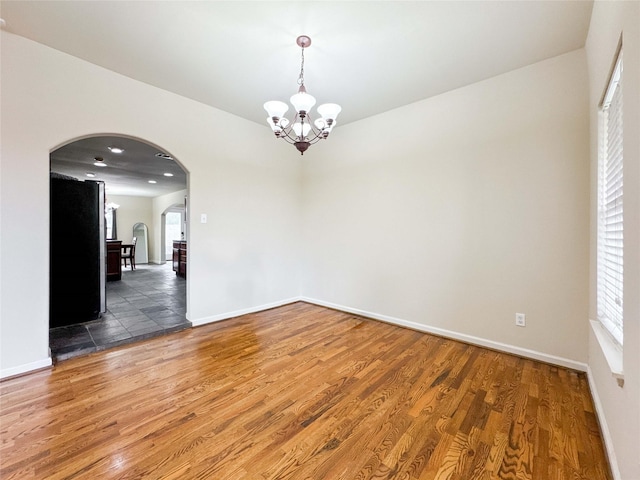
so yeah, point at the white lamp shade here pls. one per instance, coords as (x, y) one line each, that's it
(329, 111)
(300, 129)
(302, 102)
(330, 127)
(276, 108)
(274, 127)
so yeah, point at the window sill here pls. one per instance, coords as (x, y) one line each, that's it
(611, 350)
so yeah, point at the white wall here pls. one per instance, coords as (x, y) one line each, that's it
(133, 210)
(244, 258)
(619, 406)
(458, 211)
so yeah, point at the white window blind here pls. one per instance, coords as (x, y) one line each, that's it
(610, 213)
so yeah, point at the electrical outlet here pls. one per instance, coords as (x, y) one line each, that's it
(520, 320)
(203, 218)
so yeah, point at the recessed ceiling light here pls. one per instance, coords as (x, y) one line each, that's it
(89, 174)
(168, 174)
(116, 149)
(152, 181)
(99, 162)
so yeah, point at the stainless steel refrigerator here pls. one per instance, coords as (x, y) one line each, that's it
(77, 288)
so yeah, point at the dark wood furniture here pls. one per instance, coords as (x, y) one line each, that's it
(114, 260)
(180, 258)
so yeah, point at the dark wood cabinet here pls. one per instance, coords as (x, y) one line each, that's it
(114, 260)
(176, 256)
(180, 258)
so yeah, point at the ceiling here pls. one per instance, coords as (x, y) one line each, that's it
(126, 173)
(369, 57)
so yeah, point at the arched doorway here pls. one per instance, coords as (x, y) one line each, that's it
(173, 227)
(142, 301)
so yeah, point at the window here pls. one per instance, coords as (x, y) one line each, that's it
(173, 231)
(610, 211)
(110, 220)
(109, 224)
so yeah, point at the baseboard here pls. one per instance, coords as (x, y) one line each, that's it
(483, 342)
(6, 373)
(604, 428)
(225, 316)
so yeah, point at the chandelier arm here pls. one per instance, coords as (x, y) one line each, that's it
(285, 133)
(287, 139)
(292, 139)
(318, 134)
(288, 130)
(316, 139)
(315, 134)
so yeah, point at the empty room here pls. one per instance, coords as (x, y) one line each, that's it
(407, 246)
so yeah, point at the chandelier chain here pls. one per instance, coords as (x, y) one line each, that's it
(301, 77)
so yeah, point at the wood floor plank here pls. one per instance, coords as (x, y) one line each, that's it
(300, 392)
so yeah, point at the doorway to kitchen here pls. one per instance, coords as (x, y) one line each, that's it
(174, 220)
(145, 297)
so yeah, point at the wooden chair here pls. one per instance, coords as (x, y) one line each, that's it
(129, 253)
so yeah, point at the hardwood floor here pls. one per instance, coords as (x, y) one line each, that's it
(300, 392)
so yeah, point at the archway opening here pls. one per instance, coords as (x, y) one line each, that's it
(131, 182)
(173, 224)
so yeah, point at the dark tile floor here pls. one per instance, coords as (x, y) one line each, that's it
(147, 302)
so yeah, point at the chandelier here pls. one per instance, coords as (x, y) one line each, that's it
(301, 132)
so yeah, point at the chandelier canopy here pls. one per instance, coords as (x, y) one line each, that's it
(301, 132)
